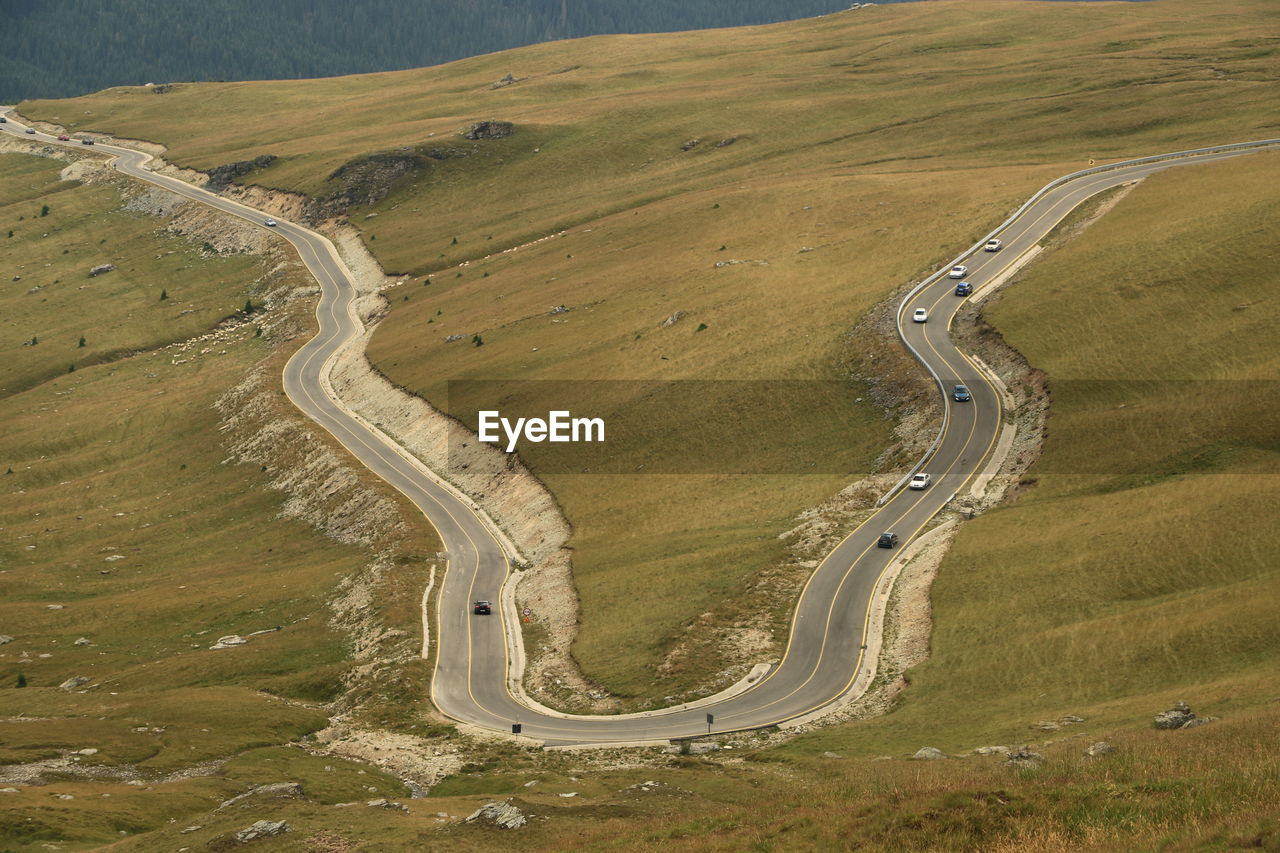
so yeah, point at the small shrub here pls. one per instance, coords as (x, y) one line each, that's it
(81, 344)
(22, 680)
(248, 306)
(71, 368)
(455, 242)
(44, 210)
(477, 340)
(701, 326)
(164, 294)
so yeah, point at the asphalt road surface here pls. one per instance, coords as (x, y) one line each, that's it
(830, 623)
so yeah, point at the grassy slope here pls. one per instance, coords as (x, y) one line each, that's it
(849, 130)
(126, 459)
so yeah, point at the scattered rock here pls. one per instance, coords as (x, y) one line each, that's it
(1198, 721)
(1025, 759)
(672, 320)
(831, 755)
(1071, 720)
(73, 683)
(384, 803)
(83, 641)
(735, 261)
(503, 815)
(1047, 726)
(1100, 748)
(991, 750)
(54, 606)
(100, 269)
(1176, 717)
(88, 751)
(229, 641)
(8, 790)
(559, 309)
(570, 794)
(505, 81)
(490, 129)
(728, 140)
(453, 338)
(5, 638)
(690, 145)
(928, 753)
(262, 829)
(190, 829)
(277, 790)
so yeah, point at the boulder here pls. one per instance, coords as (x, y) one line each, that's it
(503, 815)
(1176, 717)
(1100, 748)
(1198, 721)
(229, 641)
(262, 829)
(928, 753)
(83, 641)
(672, 319)
(73, 682)
(5, 638)
(1025, 759)
(100, 269)
(991, 750)
(384, 803)
(1071, 720)
(831, 755)
(690, 144)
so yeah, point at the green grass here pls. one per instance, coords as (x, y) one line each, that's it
(48, 294)
(122, 511)
(883, 138)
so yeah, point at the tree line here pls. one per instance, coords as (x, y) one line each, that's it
(59, 48)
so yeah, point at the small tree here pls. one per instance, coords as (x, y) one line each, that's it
(248, 306)
(44, 210)
(34, 340)
(22, 680)
(477, 340)
(455, 242)
(81, 342)
(164, 294)
(71, 368)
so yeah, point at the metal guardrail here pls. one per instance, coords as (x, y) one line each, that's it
(1052, 185)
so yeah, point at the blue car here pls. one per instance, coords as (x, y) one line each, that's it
(964, 288)
(960, 394)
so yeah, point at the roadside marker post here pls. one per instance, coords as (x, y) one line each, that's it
(711, 718)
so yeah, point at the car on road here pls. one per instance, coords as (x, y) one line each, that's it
(961, 394)
(958, 271)
(3, 120)
(920, 316)
(271, 223)
(31, 130)
(482, 608)
(993, 246)
(887, 540)
(62, 137)
(920, 481)
(86, 141)
(964, 288)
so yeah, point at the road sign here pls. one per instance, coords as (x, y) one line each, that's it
(711, 718)
(526, 612)
(515, 728)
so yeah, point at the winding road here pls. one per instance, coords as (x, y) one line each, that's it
(474, 681)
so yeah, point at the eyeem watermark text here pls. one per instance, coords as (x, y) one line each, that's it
(559, 426)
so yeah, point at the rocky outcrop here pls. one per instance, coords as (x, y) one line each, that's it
(1096, 750)
(1176, 717)
(503, 815)
(490, 130)
(221, 176)
(100, 269)
(1025, 759)
(272, 791)
(928, 753)
(262, 829)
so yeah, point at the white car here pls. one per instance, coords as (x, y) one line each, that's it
(919, 481)
(920, 316)
(271, 223)
(993, 246)
(958, 271)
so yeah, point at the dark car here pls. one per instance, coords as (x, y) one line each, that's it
(86, 141)
(483, 608)
(960, 394)
(888, 540)
(3, 120)
(964, 288)
(31, 130)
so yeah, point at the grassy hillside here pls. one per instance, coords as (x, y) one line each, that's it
(849, 154)
(130, 544)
